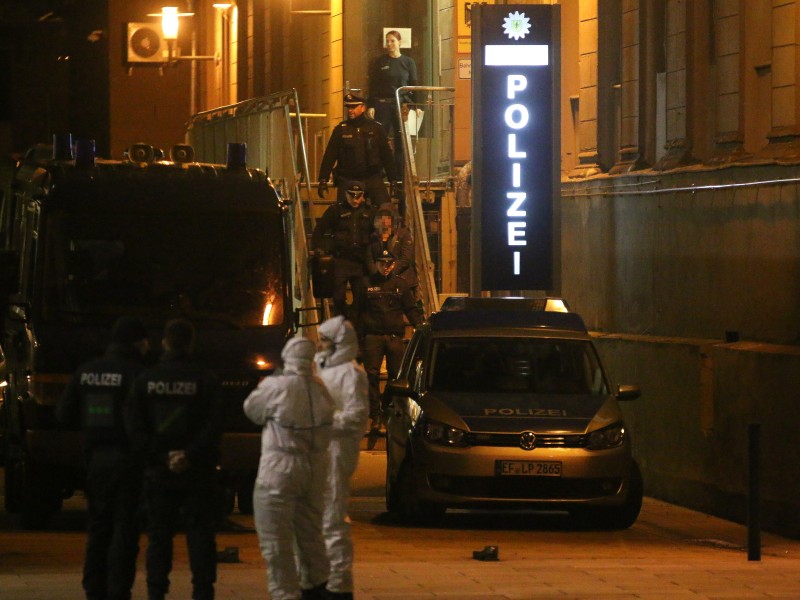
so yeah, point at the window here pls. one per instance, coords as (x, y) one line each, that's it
(516, 365)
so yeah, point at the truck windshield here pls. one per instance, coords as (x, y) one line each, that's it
(516, 365)
(221, 270)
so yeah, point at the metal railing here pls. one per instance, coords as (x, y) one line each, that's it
(413, 186)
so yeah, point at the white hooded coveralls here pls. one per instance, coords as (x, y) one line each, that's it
(347, 383)
(288, 499)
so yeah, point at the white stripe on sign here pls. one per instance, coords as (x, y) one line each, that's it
(516, 55)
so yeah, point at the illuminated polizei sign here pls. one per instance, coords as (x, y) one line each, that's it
(515, 144)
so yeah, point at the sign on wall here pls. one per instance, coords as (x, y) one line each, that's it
(516, 125)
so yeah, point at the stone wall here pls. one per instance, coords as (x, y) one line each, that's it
(662, 266)
(690, 427)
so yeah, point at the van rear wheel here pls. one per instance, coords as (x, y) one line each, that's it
(31, 490)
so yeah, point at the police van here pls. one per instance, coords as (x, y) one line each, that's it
(88, 240)
(504, 403)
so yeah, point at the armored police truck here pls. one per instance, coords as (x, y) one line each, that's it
(87, 240)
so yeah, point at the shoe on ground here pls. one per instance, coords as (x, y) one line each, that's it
(489, 553)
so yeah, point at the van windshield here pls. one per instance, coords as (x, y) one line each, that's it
(222, 270)
(516, 365)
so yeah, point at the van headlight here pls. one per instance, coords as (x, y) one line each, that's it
(608, 437)
(439, 433)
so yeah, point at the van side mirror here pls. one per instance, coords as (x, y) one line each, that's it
(400, 387)
(628, 392)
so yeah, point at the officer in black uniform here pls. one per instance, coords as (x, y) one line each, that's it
(344, 231)
(173, 418)
(388, 300)
(358, 150)
(93, 401)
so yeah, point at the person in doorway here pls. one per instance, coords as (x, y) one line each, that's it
(387, 73)
(346, 381)
(344, 231)
(358, 149)
(173, 419)
(296, 413)
(93, 401)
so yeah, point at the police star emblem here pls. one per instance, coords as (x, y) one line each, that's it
(516, 25)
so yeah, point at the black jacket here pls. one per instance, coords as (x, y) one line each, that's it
(399, 248)
(359, 149)
(175, 406)
(386, 74)
(344, 231)
(385, 306)
(93, 400)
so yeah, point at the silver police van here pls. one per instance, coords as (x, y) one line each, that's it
(503, 403)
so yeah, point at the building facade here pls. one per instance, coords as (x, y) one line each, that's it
(679, 209)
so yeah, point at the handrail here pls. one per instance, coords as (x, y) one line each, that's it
(414, 208)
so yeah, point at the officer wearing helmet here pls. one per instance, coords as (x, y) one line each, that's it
(296, 413)
(358, 149)
(94, 402)
(344, 231)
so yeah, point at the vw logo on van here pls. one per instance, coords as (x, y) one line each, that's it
(527, 441)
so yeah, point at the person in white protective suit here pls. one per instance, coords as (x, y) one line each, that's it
(346, 381)
(296, 412)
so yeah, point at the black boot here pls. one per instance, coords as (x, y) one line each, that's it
(338, 595)
(315, 593)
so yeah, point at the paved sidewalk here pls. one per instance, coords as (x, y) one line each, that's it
(669, 553)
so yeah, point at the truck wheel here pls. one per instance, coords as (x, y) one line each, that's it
(30, 492)
(13, 484)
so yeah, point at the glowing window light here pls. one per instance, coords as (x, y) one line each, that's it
(267, 312)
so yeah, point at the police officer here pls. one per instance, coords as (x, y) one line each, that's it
(344, 231)
(388, 300)
(347, 383)
(296, 413)
(173, 418)
(93, 401)
(358, 149)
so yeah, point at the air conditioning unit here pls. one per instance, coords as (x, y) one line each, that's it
(146, 43)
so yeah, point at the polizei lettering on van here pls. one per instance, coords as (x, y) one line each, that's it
(172, 388)
(102, 379)
(524, 412)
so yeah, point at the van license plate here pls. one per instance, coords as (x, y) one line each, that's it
(527, 468)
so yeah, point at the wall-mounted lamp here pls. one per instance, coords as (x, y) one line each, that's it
(169, 29)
